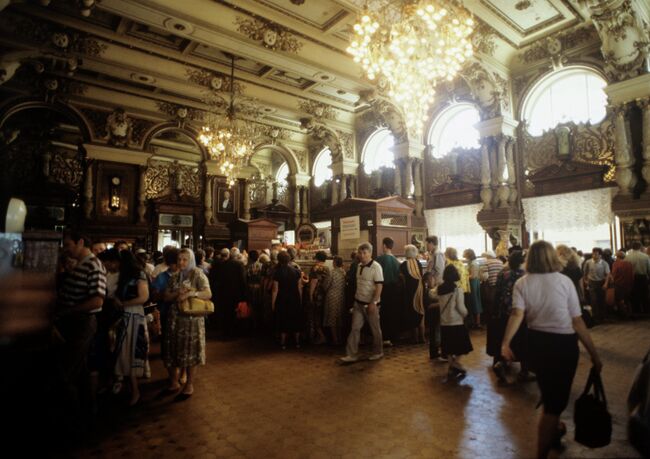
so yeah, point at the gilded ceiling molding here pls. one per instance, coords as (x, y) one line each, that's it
(552, 47)
(318, 110)
(270, 35)
(48, 36)
(215, 81)
(180, 113)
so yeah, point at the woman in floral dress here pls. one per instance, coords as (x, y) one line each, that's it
(335, 301)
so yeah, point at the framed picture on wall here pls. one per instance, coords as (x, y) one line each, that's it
(225, 200)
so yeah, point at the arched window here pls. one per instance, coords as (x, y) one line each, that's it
(282, 173)
(322, 167)
(377, 151)
(572, 94)
(454, 128)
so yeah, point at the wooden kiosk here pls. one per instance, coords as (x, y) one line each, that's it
(357, 220)
(256, 234)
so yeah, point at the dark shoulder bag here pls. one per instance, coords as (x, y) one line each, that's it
(592, 420)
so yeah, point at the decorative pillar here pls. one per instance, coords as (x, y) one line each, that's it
(644, 104)
(88, 191)
(503, 192)
(397, 179)
(486, 174)
(142, 196)
(512, 173)
(419, 201)
(625, 176)
(342, 190)
(335, 190)
(274, 192)
(207, 200)
(408, 169)
(246, 213)
(296, 205)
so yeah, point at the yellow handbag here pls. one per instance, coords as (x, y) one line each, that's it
(196, 307)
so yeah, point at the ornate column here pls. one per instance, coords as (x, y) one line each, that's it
(644, 104)
(503, 192)
(419, 200)
(512, 173)
(486, 174)
(142, 196)
(207, 200)
(296, 205)
(88, 191)
(397, 178)
(335, 190)
(408, 169)
(625, 176)
(246, 211)
(342, 188)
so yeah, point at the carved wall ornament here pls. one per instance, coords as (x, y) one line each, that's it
(625, 38)
(346, 140)
(163, 178)
(490, 95)
(554, 46)
(302, 156)
(483, 39)
(273, 134)
(65, 170)
(119, 128)
(180, 113)
(318, 110)
(270, 35)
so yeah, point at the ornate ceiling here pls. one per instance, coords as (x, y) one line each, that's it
(151, 55)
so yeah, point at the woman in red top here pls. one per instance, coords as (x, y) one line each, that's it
(622, 276)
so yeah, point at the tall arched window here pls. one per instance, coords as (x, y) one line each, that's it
(377, 152)
(572, 94)
(282, 173)
(322, 167)
(454, 128)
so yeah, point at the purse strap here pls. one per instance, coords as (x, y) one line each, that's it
(595, 381)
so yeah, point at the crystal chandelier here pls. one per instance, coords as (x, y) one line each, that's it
(229, 141)
(413, 45)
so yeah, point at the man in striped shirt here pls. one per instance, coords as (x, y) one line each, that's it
(81, 296)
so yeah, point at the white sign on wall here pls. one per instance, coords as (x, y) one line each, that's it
(350, 227)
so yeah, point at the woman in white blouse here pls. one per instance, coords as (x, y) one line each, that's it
(550, 303)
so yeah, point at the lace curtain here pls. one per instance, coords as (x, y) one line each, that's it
(569, 211)
(454, 221)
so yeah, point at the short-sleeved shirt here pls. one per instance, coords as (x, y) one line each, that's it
(596, 271)
(549, 300)
(640, 262)
(494, 267)
(390, 268)
(368, 276)
(436, 266)
(87, 280)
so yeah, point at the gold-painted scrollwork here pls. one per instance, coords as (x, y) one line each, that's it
(318, 110)
(270, 35)
(65, 170)
(157, 180)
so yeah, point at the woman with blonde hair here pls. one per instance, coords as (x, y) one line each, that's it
(550, 304)
(185, 347)
(473, 302)
(411, 273)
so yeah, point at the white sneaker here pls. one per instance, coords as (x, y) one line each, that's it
(376, 356)
(348, 359)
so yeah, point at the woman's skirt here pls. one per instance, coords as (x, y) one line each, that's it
(496, 329)
(454, 340)
(474, 305)
(185, 340)
(132, 343)
(554, 359)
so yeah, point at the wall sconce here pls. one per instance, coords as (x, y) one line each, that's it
(114, 194)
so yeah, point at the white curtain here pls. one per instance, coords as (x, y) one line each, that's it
(569, 211)
(454, 221)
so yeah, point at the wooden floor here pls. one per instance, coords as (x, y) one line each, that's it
(253, 400)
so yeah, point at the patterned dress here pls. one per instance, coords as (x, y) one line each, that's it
(185, 346)
(335, 299)
(500, 313)
(132, 337)
(321, 273)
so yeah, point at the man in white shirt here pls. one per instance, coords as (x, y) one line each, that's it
(370, 280)
(596, 272)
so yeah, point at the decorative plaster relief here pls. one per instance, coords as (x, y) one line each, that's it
(270, 35)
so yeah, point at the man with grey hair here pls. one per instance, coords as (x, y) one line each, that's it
(369, 283)
(433, 276)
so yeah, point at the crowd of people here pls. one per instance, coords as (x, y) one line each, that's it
(534, 303)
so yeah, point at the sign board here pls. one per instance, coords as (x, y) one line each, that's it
(350, 227)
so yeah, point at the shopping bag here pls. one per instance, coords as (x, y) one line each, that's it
(592, 420)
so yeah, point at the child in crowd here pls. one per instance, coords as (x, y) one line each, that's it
(455, 340)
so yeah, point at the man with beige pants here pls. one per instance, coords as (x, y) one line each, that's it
(370, 279)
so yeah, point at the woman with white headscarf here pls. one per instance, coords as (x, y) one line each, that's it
(185, 346)
(411, 272)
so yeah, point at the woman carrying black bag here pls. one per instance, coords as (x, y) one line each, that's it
(552, 309)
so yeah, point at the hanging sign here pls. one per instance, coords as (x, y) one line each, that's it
(350, 227)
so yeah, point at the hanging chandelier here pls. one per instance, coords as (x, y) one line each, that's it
(413, 45)
(229, 141)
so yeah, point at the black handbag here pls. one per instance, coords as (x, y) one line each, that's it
(592, 420)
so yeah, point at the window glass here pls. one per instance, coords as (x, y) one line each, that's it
(573, 94)
(454, 128)
(377, 152)
(282, 173)
(322, 167)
